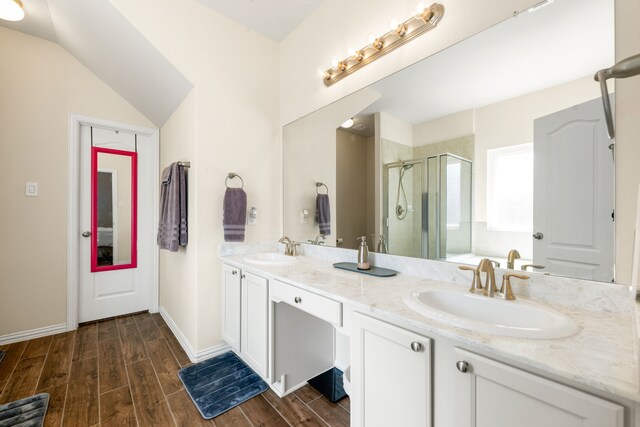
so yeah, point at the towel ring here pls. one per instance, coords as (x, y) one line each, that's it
(321, 184)
(231, 176)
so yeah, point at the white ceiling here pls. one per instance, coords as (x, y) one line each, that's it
(98, 36)
(563, 41)
(275, 19)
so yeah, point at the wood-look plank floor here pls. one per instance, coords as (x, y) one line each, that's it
(124, 372)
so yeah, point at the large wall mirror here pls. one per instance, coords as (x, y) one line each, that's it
(495, 145)
(113, 209)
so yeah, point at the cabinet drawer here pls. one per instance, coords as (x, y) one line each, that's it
(316, 305)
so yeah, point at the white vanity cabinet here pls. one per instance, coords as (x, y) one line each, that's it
(390, 375)
(245, 316)
(231, 306)
(255, 322)
(492, 394)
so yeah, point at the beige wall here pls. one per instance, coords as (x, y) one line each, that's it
(40, 85)
(351, 189)
(229, 123)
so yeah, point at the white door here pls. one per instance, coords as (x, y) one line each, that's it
(390, 375)
(574, 193)
(491, 394)
(113, 288)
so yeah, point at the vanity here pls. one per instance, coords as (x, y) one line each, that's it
(408, 369)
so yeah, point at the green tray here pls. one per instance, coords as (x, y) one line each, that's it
(373, 271)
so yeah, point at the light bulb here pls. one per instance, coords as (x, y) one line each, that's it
(393, 25)
(420, 7)
(334, 63)
(11, 10)
(347, 124)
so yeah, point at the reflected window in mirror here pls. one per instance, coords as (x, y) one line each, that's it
(510, 188)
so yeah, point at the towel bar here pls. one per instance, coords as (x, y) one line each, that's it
(232, 175)
(321, 184)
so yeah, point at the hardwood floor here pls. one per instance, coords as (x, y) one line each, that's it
(123, 372)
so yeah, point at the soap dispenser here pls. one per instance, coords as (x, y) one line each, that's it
(382, 245)
(363, 254)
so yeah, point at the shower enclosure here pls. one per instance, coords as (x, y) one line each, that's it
(427, 206)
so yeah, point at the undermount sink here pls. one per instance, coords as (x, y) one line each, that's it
(519, 318)
(269, 258)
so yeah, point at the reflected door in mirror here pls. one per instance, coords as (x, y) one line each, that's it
(113, 209)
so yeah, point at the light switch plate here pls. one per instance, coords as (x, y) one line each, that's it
(31, 189)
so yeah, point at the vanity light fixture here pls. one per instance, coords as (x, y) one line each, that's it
(425, 20)
(347, 123)
(11, 10)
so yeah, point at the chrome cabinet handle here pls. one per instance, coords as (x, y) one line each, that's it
(297, 300)
(416, 346)
(243, 276)
(86, 234)
(234, 272)
(538, 236)
(463, 366)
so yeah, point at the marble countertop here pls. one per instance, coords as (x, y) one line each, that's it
(604, 355)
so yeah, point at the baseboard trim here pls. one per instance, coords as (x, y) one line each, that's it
(33, 333)
(194, 356)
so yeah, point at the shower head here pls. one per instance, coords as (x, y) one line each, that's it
(407, 166)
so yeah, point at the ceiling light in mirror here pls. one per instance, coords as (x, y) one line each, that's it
(347, 123)
(11, 10)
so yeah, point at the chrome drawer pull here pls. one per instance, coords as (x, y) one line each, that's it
(297, 300)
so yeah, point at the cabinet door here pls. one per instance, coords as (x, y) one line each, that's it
(231, 306)
(255, 301)
(390, 375)
(492, 394)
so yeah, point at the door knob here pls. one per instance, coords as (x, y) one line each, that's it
(86, 234)
(463, 366)
(416, 346)
(538, 236)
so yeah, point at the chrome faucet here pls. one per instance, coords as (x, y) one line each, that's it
(289, 246)
(511, 258)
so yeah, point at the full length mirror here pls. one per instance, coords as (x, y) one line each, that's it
(495, 147)
(113, 209)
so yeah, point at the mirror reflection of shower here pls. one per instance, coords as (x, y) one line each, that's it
(427, 206)
(401, 197)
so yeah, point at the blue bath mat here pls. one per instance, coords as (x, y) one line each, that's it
(27, 412)
(221, 383)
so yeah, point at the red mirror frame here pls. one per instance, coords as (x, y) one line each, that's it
(94, 209)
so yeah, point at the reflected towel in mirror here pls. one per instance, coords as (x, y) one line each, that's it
(323, 214)
(235, 214)
(172, 229)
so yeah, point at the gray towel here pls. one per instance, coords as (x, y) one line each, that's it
(172, 229)
(323, 214)
(235, 214)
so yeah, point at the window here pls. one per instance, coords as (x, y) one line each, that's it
(510, 188)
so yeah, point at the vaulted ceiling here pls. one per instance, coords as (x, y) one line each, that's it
(98, 36)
